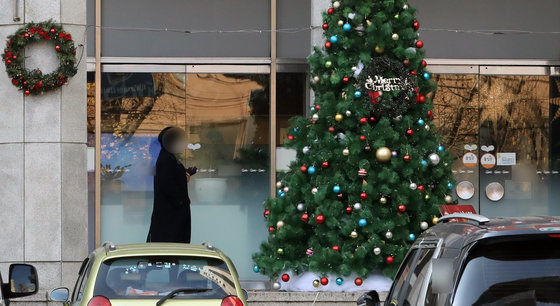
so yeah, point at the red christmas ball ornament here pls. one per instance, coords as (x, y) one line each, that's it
(270, 228)
(40, 84)
(430, 115)
(266, 213)
(345, 80)
(330, 11)
(424, 63)
(325, 164)
(331, 129)
(317, 107)
(328, 45)
(14, 57)
(349, 210)
(372, 119)
(407, 158)
(57, 48)
(358, 281)
(324, 281)
(336, 248)
(340, 196)
(363, 196)
(389, 260)
(413, 72)
(416, 25)
(402, 208)
(305, 217)
(26, 35)
(363, 138)
(27, 92)
(285, 277)
(9, 61)
(53, 31)
(325, 26)
(320, 219)
(290, 137)
(406, 62)
(363, 120)
(303, 168)
(421, 187)
(419, 44)
(409, 132)
(421, 99)
(15, 82)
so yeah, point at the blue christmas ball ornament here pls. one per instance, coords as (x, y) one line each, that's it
(334, 39)
(256, 269)
(296, 130)
(339, 281)
(421, 121)
(357, 94)
(411, 237)
(282, 195)
(424, 163)
(450, 186)
(362, 222)
(426, 76)
(346, 27)
(440, 148)
(311, 170)
(336, 188)
(280, 191)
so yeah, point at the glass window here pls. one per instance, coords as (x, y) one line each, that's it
(498, 272)
(226, 119)
(154, 277)
(83, 275)
(400, 280)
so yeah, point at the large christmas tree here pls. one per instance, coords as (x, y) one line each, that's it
(370, 172)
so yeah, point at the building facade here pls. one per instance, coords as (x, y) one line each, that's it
(232, 73)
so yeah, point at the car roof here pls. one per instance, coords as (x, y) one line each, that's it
(459, 234)
(158, 248)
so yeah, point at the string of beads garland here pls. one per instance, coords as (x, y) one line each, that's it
(33, 81)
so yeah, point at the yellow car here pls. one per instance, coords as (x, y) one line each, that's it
(161, 274)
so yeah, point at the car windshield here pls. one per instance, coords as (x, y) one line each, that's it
(152, 277)
(523, 271)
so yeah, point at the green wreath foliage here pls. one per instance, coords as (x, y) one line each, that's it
(33, 81)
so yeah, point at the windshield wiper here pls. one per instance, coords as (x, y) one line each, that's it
(174, 293)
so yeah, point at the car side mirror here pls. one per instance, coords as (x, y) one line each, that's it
(23, 280)
(59, 295)
(442, 275)
(245, 294)
(369, 299)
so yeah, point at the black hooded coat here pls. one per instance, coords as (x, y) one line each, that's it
(171, 216)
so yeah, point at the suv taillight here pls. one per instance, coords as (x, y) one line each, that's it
(231, 300)
(99, 301)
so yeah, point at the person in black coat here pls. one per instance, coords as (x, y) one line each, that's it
(171, 216)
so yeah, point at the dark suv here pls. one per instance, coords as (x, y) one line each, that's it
(479, 261)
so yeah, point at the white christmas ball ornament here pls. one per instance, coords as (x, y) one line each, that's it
(336, 4)
(427, 127)
(413, 186)
(348, 113)
(405, 7)
(314, 190)
(354, 68)
(395, 36)
(388, 235)
(424, 225)
(346, 152)
(286, 189)
(357, 206)
(434, 159)
(448, 199)
(279, 184)
(340, 23)
(305, 150)
(301, 207)
(276, 286)
(315, 117)
(316, 79)
(354, 234)
(280, 224)
(376, 251)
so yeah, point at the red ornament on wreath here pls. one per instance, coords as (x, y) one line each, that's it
(285, 277)
(324, 281)
(358, 281)
(32, 82)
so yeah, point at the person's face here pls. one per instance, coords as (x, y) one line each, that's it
(178, 145)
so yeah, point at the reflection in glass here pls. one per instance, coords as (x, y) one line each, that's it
(226, 119)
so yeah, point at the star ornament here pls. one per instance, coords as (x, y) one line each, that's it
(374, 95)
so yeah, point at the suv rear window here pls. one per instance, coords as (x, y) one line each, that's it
(523, 271)
(146, 277)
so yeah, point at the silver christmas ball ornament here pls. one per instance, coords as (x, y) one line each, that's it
(315, 117)
(357, 206)
(348, 113)
(301, 207)
(448, 199)
(314, 190)
(340, 23)
(279, 184)
(280, 224)
(413, 186)
(395, 36)
(424, 225)
(354, 234)
(405, 7)
(305, 150)
(276, 286)
(316, 79)
(376, 251)
(388, 235)
(336, 4)
(434, 159)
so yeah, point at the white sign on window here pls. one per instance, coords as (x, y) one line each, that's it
(506, 159)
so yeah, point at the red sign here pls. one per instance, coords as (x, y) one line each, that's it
(451, 209)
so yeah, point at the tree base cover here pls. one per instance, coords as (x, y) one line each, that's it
(304, 282)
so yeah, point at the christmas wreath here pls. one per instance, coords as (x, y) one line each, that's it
(34, 81)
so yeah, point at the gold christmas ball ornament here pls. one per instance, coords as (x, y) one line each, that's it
(379, 49)
(383, 200)
(340, 23)
(280, 251)
(280, 224)
(448, 199)
(336, 4)
(316, 283)
(435, 220)
(346, 152)
(427, 197)
(279, 184)
(383, 154)
(395, 36)
(338, 117)
(354, 234)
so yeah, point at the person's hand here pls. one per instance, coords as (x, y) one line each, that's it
(188, 177)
